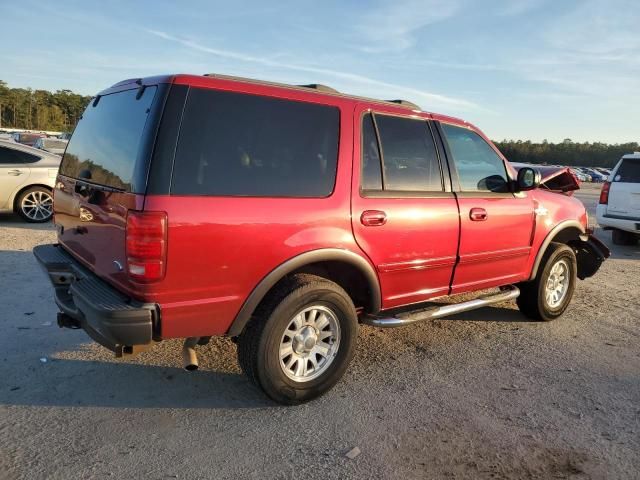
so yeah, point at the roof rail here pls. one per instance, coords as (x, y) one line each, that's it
(320, 87)
(405, 103)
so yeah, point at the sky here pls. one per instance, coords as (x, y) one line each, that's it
(518, 69)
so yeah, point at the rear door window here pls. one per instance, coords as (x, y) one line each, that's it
(234, 144)
(11, 156)
(629, 171)
(105, 144)
(480, 168)
(409, 159)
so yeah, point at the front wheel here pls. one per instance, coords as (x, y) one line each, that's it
(300, 340)
(548, 295)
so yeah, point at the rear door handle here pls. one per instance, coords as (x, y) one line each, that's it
(478, 215)
(15, 173)
(373, 218)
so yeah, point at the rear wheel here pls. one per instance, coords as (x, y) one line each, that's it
(35, 205)
(548, 295)
(620, 237)
(301, 339)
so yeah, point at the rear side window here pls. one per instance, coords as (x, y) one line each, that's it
(235, 144)
(629, 171)
(479, 167)
(10, 156)
(409, 159)
(104, 146)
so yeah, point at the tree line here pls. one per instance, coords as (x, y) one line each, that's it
(567, 153)
(60, 110)
(40, 109)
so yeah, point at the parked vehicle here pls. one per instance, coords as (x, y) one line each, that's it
(299, 213)
(51, 145)
(579, 175)
(596, 176)
(28, 139)
(619, 206)
(27, 177)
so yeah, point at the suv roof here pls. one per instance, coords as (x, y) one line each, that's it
(314, 89)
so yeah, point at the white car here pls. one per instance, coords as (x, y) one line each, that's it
(619, 206)
(51, 145)
(27, 177)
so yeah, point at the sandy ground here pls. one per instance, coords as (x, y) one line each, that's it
(484, 394)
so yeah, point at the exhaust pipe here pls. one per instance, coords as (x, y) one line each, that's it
(189, 355)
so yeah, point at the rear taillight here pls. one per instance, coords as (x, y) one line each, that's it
(604, 193)
(146, 245)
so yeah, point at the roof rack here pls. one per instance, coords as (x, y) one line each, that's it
(320, 87)
(406, 103)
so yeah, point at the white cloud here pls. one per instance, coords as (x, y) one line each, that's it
(347, 80)
(392, 26)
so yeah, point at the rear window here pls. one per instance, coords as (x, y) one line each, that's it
(104, 146)
(235, 144)
(629, 171)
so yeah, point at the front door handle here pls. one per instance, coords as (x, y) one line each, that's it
(15, 173)
(373, 218)
(478, 215)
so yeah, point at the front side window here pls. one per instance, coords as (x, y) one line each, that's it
(480, 168)
(409, 159)
(10, 156)
(234, 144)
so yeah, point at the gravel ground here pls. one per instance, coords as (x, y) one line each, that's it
(483, 394)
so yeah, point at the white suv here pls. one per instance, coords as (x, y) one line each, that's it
(619, 206)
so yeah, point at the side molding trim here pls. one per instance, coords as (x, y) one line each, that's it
(307, 258)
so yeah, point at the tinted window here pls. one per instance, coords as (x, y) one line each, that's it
(248, 145)
(371, 173)
(408, 154)
(629, 171)
(11, 156)
(104, 146)
(479, 166)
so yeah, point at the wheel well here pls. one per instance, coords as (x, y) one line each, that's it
(348, 276)
(568, 235)
(23, 189)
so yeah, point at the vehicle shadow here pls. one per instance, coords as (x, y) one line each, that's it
(14, 220)
(81, 383)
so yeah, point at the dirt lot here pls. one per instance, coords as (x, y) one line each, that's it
(484, 394)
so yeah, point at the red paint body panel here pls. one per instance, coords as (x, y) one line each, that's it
(220, 248)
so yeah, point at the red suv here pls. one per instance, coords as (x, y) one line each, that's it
(282, 216)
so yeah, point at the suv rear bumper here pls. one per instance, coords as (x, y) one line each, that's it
(608, 221)
(119, 323)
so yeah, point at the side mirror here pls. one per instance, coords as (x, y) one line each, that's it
(528, 179)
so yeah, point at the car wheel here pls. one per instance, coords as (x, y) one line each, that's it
(300, 340)
(548, 295)
(620, 237)
(35, 205)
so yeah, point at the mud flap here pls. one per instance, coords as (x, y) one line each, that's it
(590, 254)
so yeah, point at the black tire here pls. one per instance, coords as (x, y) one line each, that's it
(532, 301)
(259, 343)
(29, 214)
(620, 237)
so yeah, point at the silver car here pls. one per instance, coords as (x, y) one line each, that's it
(27, 177)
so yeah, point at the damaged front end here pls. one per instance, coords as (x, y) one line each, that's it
(590, 253)
(554, 179)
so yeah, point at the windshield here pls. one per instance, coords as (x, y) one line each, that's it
(104, 146)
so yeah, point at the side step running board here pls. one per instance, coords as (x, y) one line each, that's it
(506, 293)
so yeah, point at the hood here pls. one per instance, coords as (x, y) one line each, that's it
(556, 179)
